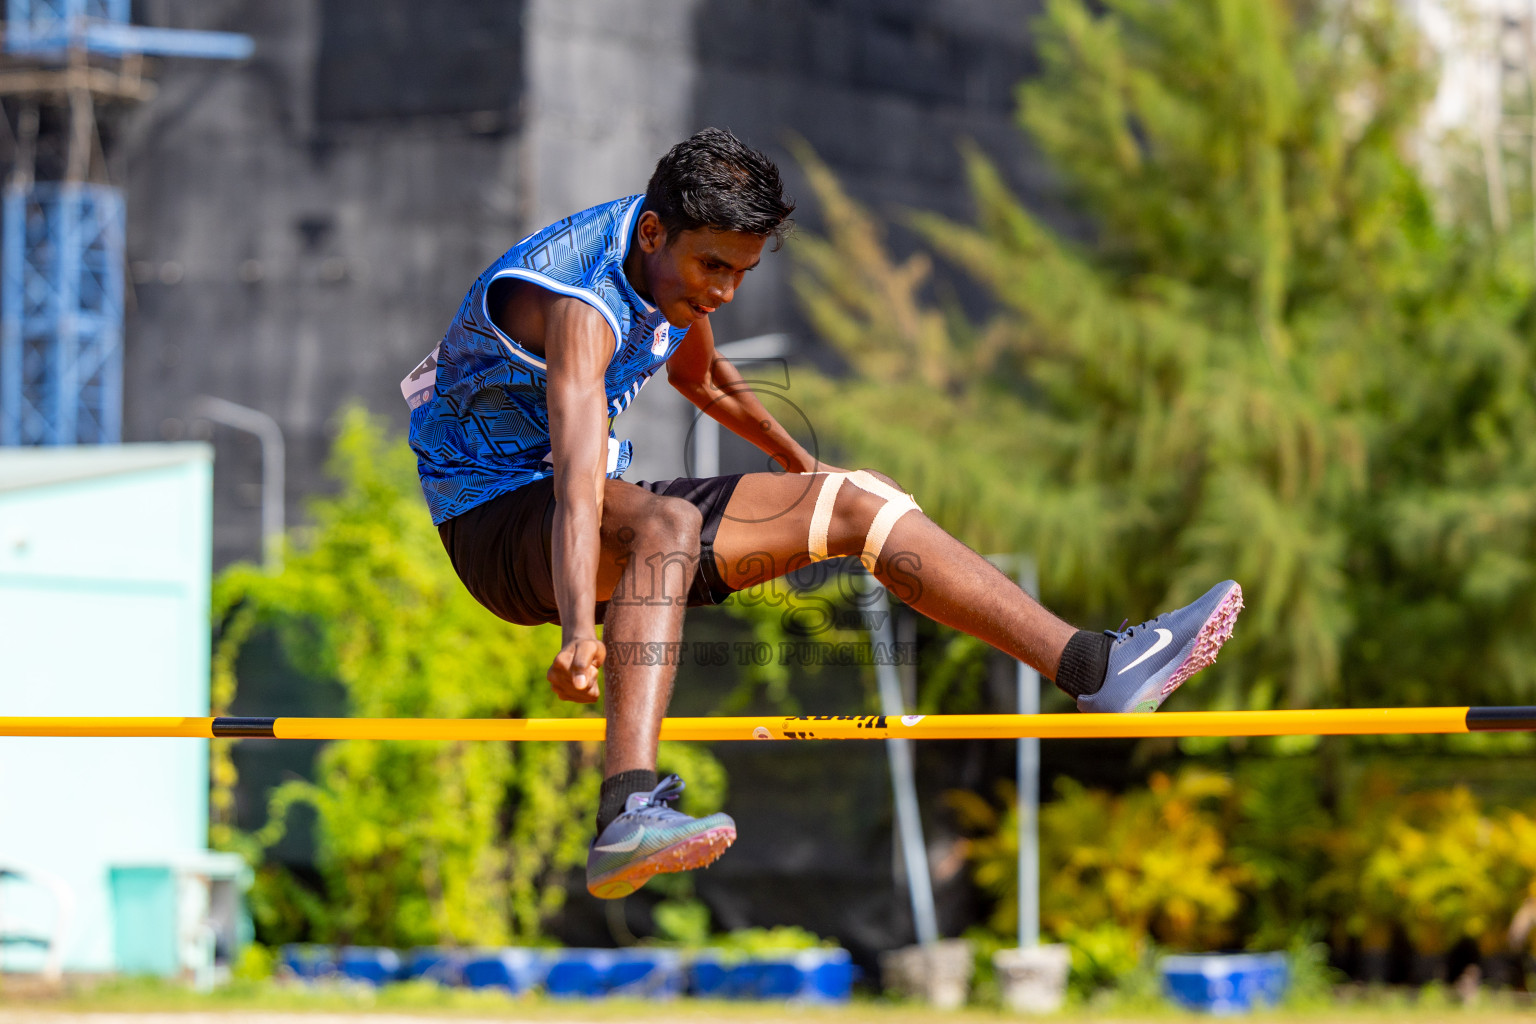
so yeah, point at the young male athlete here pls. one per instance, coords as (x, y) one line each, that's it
(511, 420)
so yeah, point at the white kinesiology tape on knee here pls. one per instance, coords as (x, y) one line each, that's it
(821, 515)
(897, 504)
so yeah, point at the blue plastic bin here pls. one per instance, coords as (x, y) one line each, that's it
(1223, 983)
(809, 976)
(709, 977)
(575, 973)
(372, 964)
(309, 962)
(516, 970)
(651, 973)
(592, 973)
(429, 963)
(831, 976)
(768, 979)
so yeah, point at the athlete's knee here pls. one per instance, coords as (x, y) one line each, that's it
(669, 527)
(855, 514)
(854, 510)
(660, 552)
(883, 479)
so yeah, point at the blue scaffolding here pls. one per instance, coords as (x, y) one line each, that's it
(61, 315)
(40, 27)
(62, 242)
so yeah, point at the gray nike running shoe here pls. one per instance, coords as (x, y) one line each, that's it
(1149, 661)
(650, 838)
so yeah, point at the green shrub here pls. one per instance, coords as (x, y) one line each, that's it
(1153, 861)
(1199, 862)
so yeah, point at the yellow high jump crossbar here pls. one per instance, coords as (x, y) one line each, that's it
(1337, 722)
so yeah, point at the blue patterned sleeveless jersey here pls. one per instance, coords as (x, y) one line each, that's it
(479, 419)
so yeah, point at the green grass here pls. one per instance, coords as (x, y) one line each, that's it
(241, 999)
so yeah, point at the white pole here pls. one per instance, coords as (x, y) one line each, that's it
(706, 432)
(273, 460)
(1029, 787)
(914, 852)
(706, 445)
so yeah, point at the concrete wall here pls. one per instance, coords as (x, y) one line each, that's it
(882, 90)
(610, 89)
(291, 262)
(104, 570)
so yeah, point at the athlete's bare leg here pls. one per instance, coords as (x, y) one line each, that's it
(651, 549)
(766, 534)
(650, 552)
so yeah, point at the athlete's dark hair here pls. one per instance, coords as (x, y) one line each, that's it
(715, 180)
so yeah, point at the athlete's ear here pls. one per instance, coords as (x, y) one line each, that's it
(651, 232)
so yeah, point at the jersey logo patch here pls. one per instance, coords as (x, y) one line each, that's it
(418, 385)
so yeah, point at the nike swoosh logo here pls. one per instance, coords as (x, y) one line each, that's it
(623, 846)
(1164, 638)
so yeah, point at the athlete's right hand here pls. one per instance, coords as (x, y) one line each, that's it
(574, 672)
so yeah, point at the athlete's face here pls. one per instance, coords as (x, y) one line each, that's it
(693, 273)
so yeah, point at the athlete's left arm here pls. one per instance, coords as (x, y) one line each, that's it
(709, 381)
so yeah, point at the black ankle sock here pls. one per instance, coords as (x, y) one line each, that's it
(1084, 663)
(617, 789)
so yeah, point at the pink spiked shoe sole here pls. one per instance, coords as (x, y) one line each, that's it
(698, 851)
(1216, 631)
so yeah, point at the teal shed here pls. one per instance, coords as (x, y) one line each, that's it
(104, 591)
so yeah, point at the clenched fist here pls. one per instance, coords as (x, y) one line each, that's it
(574, 672)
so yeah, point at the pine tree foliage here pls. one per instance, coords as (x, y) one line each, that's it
(1270, 362)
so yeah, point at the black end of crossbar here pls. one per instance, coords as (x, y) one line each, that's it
(1501, 719)
(246, 727)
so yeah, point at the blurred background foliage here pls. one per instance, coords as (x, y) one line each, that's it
(1203, 861)
(1271, 355)
(1265, 349)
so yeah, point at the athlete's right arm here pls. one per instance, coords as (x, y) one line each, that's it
(578, 344)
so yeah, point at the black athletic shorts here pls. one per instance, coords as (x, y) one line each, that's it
(501, 548)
